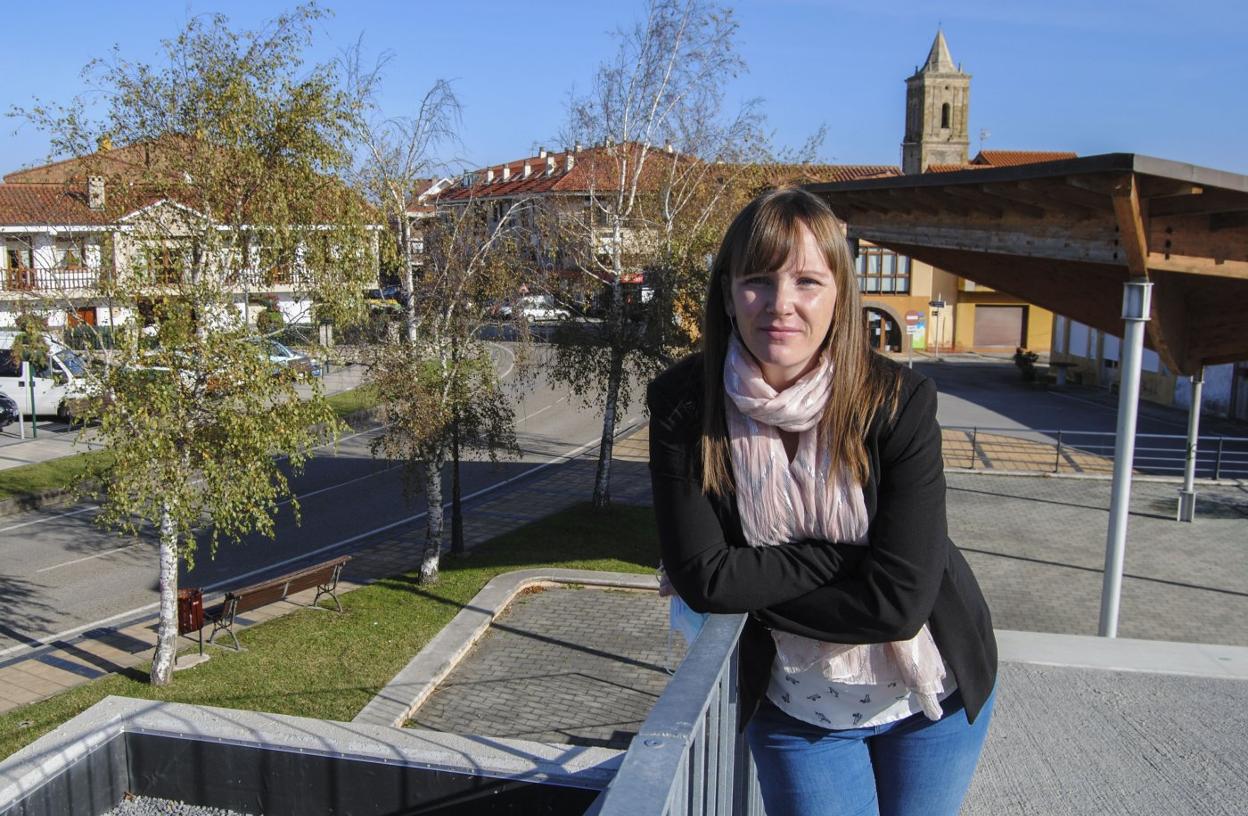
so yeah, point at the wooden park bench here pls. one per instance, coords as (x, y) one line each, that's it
(324, 577)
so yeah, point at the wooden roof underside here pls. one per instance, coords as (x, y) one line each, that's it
(1066, 235)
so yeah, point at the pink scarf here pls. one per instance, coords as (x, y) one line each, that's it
(782, 501)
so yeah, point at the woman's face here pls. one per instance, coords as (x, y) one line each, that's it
(784, 316)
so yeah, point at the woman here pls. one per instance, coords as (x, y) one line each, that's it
(798, 477)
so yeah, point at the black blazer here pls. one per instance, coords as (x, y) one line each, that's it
(909, 574)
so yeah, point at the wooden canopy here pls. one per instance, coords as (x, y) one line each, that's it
(1066, 235)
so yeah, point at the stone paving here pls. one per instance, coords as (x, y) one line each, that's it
(568, 665)
(1037, 546)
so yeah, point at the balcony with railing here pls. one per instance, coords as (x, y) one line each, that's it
(50, 281)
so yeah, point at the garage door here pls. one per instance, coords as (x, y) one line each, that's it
(999, 326)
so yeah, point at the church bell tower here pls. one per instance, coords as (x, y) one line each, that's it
(938, 98)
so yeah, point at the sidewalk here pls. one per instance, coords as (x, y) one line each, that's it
(57, 439)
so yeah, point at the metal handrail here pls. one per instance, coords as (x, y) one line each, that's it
(1065, 451)
(689, 758)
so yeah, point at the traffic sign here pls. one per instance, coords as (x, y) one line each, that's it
(913, 317)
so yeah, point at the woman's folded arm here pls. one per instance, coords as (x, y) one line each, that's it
(709, 573)
(891, 595)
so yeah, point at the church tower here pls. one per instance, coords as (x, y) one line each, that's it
(938, 98)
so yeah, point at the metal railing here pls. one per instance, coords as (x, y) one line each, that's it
(688, 758)
(1089, 452)
(58, 279)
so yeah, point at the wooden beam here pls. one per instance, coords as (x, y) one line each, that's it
(1013, 201)
(1210, 201)
(1058, 190)
(1089, 293)
(1169, 325)
(1066, 201)
(1131, 232)
(1057, 244)
(1198, 265)
(974, 200)
(1156, 187)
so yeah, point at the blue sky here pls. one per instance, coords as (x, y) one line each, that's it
(1160, 78)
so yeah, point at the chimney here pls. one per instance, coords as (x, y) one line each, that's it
(578, 147)
(506, 172)
(541, 152)
(568, 161)
(489, 175)
(668, 149)
(550, 165)
(95, 192)
(528, 169)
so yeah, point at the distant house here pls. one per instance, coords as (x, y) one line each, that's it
(66, 235)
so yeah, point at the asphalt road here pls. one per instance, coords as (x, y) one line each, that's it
(61, 574)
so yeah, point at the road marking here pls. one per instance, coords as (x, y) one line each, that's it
(89, 557)
(510, 368)
(97, 507)
(42, 642)
(527, 417)
(50, 518)
(303, 496)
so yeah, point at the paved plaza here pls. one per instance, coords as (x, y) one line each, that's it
(558, 666)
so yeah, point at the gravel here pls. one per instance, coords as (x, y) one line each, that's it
(147, 806)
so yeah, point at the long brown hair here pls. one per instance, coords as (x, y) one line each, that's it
(760, 238)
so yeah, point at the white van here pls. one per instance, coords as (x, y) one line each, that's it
(58, 387)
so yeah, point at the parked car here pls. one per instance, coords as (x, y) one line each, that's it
(284, 357)
(8, 411)
(386, 296)
(535, 309)
(59, 386)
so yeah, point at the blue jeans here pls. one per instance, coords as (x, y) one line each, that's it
(910, 767)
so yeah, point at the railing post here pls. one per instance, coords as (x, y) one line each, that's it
(974, 437)
(1057, 459)
(1217, 461)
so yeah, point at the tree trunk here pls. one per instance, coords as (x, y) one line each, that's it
(433, 520)
(457, 509)
(602, 479)
(405, 280)
(167, 630)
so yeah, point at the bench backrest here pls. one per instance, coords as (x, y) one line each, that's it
(277, 589)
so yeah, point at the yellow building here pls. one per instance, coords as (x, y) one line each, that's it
(897, 291)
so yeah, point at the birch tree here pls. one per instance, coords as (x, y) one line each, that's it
(399, 152)
(438, 388)
(655, 115)
(222, 165)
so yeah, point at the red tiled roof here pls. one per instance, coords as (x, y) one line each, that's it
(592, 168)
(827, 173)
(48, 204)
(596, 167)
(1010, 158)
(953, 168)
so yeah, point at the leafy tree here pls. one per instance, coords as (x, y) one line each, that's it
(225, 160)
(438, 388)
(400, 154)
(655, 113)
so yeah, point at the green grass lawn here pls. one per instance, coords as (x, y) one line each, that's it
(58, 474)
(313, 664)
(346, 403)
(54, 474)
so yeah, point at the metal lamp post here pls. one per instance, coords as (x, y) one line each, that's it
(1135, 309)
